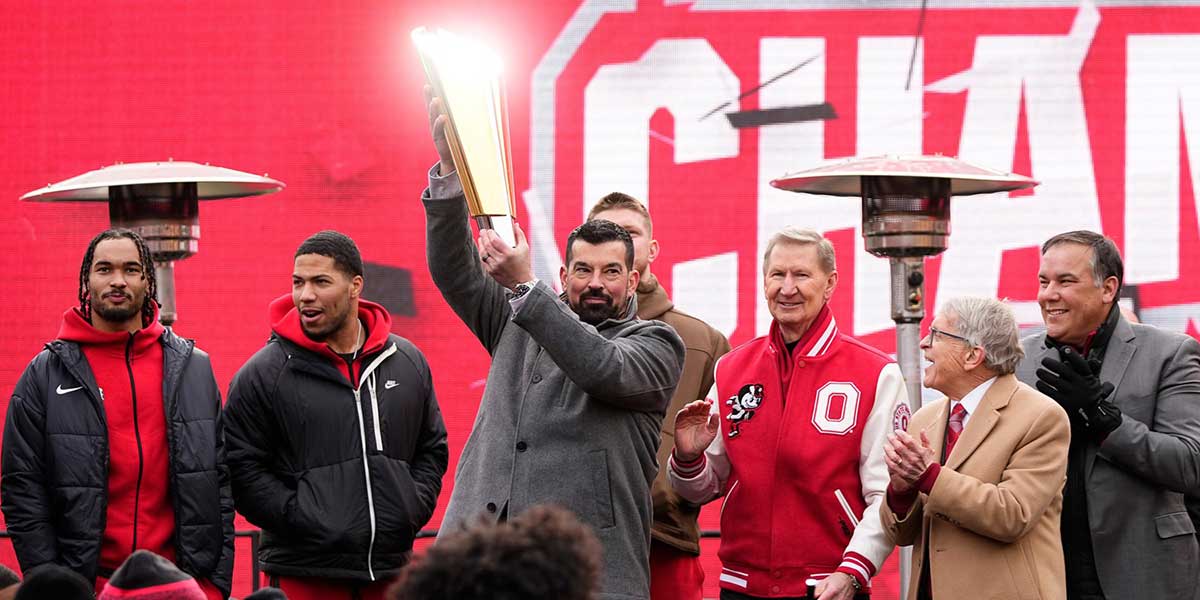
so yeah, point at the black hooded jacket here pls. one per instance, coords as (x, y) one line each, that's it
(339, 476)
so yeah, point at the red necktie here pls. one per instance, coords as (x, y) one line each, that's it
(954, 426)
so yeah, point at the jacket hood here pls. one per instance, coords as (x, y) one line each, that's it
(652, 300)
(76, 328)
(285, 322)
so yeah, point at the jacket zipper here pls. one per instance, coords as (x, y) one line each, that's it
(371, 382)
(137, 435)
(362, 433)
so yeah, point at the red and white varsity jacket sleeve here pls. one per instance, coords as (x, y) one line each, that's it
(869, 547)
(702, 481)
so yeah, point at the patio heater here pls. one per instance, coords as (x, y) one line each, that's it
(159, 201)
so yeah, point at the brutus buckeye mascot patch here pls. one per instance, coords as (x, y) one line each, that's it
(743, 405)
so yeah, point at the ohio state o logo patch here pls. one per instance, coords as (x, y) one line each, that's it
(901, 416)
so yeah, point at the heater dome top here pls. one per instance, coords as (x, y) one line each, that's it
(212, 183)
(843, 177)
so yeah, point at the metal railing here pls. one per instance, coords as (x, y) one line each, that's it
(255, 536)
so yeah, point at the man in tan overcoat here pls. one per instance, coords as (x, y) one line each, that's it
(976, 481)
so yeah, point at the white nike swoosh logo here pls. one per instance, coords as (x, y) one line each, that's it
(390, 384)
(61, 391)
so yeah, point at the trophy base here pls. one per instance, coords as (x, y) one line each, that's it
(501, 224)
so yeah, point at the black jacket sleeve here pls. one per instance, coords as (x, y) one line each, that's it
(429, 461)
(259, 493)
(25, 498)
(223, 575)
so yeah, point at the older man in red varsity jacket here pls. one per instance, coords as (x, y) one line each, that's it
(795, 440)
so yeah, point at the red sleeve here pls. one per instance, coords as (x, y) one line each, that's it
(901, 502)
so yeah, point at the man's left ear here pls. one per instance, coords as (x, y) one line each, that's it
(634, 278)
(975, 357)
(831, 285)
(356, 286)
(653, 251)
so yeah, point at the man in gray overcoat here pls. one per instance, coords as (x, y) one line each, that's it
(578, 385)
(1133, 395)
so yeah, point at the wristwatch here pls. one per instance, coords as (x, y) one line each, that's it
(521, 289)
(854, 582)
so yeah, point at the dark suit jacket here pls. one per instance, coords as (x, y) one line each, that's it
(1143, 540)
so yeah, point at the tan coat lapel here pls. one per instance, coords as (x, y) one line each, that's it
(935, 428)
(981, 423)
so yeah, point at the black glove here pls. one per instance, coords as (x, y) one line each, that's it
(1075, 384)
(1104, 418)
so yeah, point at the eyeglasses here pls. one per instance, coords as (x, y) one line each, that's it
(934, 332)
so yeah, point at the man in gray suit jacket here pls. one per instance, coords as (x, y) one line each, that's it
(578, 386)
(1133, 395)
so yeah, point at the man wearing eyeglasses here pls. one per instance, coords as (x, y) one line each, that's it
(981, 470)
(1132, 393)
(796, 442)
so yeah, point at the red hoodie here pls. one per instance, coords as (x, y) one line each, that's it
(285, 322)
(129, 371)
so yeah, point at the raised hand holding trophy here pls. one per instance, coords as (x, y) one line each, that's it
(466, 76)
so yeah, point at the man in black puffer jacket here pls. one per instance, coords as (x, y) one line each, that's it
(336, 443)
(113, 439)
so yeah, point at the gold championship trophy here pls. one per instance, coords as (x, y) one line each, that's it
(466, 76)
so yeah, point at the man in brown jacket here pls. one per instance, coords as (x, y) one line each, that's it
(675, 572)
(980, 472)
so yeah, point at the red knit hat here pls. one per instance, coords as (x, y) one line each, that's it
(148, 576)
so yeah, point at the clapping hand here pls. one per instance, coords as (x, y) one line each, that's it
(1074, 383)
(906, 459)
(696, 426)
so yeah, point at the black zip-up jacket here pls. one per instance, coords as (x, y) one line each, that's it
(339, 477)
(55, 464)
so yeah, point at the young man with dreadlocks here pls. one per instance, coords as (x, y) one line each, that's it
(113, 440)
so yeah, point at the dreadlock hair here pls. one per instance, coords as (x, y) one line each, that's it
(85, 305)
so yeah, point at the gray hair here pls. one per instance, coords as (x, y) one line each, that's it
(796, 235)
(989, 324)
